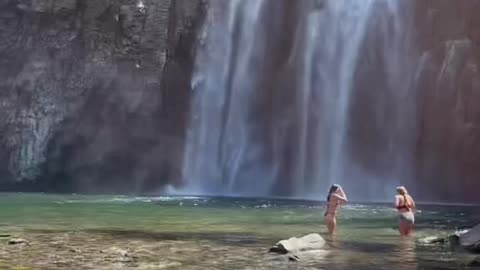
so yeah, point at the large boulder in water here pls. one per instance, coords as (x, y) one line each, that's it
(475, 263)
(471, 239)
(295, 245)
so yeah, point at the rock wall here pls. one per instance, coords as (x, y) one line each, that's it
(434, 116)
(416, 124)
(424, 131)
(448, 142)
(94, 93)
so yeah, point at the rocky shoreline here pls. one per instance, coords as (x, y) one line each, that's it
(87, 250)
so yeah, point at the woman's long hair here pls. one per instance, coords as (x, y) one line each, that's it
(333, 189)
(404, 192)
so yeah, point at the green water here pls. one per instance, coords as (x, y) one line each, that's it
(234, 233)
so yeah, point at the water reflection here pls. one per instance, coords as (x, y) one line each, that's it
(400, 253)
(404, 255)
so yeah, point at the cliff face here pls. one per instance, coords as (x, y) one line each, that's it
(391, 134)
(422, 128)
(92, 90)
(426, 128)
(448, 145)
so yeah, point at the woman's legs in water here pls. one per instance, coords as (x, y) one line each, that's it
(331, 223)
(405, 228)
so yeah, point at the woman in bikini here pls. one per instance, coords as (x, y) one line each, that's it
(335, 198)
(405, 206)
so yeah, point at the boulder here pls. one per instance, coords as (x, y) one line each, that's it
(471, 239)
(295, 245)
(453, 239)
(475, 263)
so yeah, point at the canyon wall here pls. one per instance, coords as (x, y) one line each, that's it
(448, 96)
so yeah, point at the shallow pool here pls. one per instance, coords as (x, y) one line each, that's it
(122, 232)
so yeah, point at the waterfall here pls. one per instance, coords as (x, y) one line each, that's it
(332, 42)
(224, 154)
(219, 139)
(337, 39)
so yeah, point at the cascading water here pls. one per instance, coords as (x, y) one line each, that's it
(223, 154)
(219, 139)
(337, 40)
(327, 63)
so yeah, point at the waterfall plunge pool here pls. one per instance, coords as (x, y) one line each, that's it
(122, 232)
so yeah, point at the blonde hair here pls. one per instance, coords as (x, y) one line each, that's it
(402, 190)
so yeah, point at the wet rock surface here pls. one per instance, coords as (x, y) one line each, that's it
(475, 263)
(307, 248)
(448, 34)
(471, 239)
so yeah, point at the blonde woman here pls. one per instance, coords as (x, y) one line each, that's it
(335, 198)
(406, 207)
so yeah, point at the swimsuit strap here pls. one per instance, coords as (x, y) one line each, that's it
(405, 203)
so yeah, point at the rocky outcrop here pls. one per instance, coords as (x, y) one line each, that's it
(471, 239)
(94, 90)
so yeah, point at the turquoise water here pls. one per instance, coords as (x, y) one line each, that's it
(367, 236)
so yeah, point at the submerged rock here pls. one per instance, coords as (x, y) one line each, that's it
(293, 258)
(294, 245)
(118, 255)
(452, 239)
(118, 251)
(433, 240)
(18, 241)
(305, 257)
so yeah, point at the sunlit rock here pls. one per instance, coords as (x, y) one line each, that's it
(296, 245)
(471, 239)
